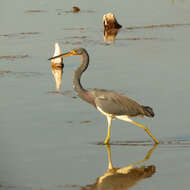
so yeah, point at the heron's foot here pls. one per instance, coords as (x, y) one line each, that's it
(156, 141)
(107, 141)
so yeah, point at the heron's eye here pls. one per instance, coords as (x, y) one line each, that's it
(73, 52)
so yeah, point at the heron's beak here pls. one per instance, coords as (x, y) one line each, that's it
(62, 55)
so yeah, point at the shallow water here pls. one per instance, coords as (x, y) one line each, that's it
(52, 140)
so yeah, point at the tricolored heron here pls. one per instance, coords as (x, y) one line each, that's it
(111, 104)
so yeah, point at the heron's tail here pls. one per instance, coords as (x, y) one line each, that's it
(148, 111)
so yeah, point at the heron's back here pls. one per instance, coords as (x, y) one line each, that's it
(117, 104)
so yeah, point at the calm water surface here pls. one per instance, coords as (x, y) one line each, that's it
(49, 140)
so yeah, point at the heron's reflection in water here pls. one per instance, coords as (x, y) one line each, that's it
(57, 67)
(125, 177)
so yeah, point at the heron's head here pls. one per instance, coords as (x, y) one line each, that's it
(78, 51)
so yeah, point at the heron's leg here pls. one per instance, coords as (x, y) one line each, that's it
(146, 158)
(129, 167)
(146, 129)
(110, 166)
(109, 127)
(126, 118)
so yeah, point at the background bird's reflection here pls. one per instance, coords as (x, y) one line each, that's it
(109, 35)
(125, 177)
(57, 72)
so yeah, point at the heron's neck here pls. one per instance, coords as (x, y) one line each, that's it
(78, 73)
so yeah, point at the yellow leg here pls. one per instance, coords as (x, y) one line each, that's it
(146, 129)
(126, 118)
(110, 166)
(126, 169)
(109, 127)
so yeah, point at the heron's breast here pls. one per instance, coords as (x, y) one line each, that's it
(104, 113)
(88, 97)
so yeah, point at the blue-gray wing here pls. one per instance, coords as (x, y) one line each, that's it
(117, 104)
